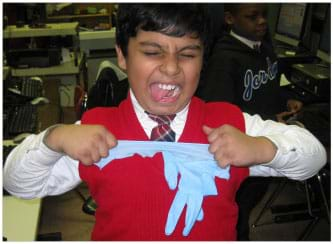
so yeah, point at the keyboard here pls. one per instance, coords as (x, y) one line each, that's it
(27, 88)
(32, 88)
(284, 50)
(21, 119)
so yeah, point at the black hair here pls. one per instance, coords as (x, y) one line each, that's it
(231, 7)
(167, 18)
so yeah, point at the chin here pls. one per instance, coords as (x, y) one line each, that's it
(260, 36)
(165, 110)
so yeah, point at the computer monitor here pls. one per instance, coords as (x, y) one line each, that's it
(290, 23)
(324, 48)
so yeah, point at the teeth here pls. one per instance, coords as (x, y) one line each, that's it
(167, 87)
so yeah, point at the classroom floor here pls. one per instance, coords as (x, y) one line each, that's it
(62, 216)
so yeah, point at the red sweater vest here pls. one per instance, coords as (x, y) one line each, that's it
(132, 194)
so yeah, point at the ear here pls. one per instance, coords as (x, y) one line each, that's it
(121, 58)
(228, 18)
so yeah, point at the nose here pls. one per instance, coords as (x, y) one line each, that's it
(262, 20)
(170, 65)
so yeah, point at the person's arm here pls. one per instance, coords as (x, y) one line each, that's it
(268, 148)
(299, 154)
(32, 170)
(47, 163)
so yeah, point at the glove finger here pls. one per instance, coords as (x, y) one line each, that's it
(200, 215)
(175, 211)
(170, 170)
(192, 211)
(208, 185)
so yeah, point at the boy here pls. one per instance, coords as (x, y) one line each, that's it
(243, 70)
(245, 58)
(161, 46)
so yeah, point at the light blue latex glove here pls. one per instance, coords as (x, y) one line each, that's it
(126, 149)
(192, 161)
(196, 182)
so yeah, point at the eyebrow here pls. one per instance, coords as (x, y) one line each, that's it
(154, 44)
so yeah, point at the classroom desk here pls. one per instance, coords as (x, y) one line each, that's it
(74, 66)
(66, 68)
(53, 29)
(20, 218)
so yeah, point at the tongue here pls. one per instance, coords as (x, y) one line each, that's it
(159, 94)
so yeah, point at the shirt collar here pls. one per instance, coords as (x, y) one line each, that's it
(246, 41)
(148, 124)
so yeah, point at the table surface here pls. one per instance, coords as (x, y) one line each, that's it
(20, 218)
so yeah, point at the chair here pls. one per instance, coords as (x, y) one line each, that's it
(317, 206)
(316, 118)
(110, 88)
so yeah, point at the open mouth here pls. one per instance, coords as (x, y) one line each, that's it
(262, 30)
(164, 93)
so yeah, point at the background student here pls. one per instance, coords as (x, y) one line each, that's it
(243, 69)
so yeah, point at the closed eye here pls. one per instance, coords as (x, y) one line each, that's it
(187, 55)
(152, 53)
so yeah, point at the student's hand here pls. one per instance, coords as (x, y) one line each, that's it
(283, 116)
(86, 143)
(230, 146)
(294, 105)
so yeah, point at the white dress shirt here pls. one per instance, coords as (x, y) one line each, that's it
(33, 170)
(246, 41)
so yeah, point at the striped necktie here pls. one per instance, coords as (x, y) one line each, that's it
(256, 47)
(163, 131)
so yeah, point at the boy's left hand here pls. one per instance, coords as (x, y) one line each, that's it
(294, 105)
(230, 146)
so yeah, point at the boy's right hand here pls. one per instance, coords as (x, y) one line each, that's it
(86, 143)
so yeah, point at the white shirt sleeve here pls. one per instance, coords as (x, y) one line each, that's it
(32, 170)
(299, 154)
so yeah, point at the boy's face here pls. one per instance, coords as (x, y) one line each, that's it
(250, 21)
(163, 71)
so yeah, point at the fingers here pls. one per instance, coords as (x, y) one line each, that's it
(110, 139)
(99, 147)
(95, 144)
(294, 105)
(207, 130)
(287, 113)
(211, 133)
(214, 144)
(107, 141)
(175, 211)
(224, 143)
(223, 160)
(200, 215)
(213, 136)
(170, 170)
(192, 212)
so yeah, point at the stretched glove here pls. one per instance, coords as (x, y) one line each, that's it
(196, 181)
(192, 161)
